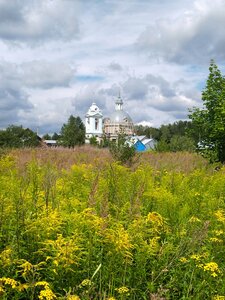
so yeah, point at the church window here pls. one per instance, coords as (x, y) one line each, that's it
(96, 124)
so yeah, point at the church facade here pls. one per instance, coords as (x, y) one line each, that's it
(118, 122)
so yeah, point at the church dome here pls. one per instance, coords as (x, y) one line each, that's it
(120, 116)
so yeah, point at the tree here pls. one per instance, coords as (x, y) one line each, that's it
(46, 137)
(121, 150)
(73, 132)
(17, 137)
(55, 136)
(93, 141)
(210, 120)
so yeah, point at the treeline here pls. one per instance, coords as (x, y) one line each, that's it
(172, 137)
(179, 136)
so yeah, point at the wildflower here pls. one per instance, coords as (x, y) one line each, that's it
(9, 281)
(123, 290)
(155, 218)
(196, 257)
(215, 240)
(219, 214)
(217, 297)
(47, 294)
(73, 297)
(194, 219)
(183, 259)
(86, 282)
(218, 233)
(213, 268)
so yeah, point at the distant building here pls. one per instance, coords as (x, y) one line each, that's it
(93, 123)
(142, 143)
(118, 122)
(50, 143)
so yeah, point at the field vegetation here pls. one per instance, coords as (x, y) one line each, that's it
(74, 224)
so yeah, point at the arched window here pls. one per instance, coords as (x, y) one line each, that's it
(96, 124)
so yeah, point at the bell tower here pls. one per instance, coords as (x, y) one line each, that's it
(93, 123)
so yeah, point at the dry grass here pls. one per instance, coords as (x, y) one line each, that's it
(64, 158)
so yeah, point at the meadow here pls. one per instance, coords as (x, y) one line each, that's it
(74, 225)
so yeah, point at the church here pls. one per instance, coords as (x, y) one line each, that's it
(118, 122)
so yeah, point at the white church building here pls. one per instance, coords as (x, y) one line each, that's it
(118, 122)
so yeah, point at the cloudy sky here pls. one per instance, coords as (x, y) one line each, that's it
(59, 56)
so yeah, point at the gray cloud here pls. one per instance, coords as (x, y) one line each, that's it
(46, 74)
(195, 37)
(12, 102)
(38, 20)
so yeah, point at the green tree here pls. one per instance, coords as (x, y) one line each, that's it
(55, 136)
(93, 141)
(73, 132)
(121, 150)
(210, 120)
(17, 137)
(46, 137)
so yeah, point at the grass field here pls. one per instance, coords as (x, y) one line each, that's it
(76, 225)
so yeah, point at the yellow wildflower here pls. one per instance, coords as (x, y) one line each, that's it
(73, 297)
(194, 219)
(183, 259)
(218, 232)
(123, 290)
(215, 240)
(9, 281)
(86, 282)
(220, 216)
(212, 267)
(196, 257)
(217, 297)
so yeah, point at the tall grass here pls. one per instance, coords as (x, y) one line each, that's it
(75, 225)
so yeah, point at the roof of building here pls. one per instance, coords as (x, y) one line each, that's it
(94, 110)
(146, 141)
(120, 116)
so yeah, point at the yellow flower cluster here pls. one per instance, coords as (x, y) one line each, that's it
(215, 240)
(194, 219)
(86, 282)
(9, 281)
(220, 215)
(183, 260)
(217, 297)
(73, 297)
(47, 294)
(123, 290)
(213, 268)
(218, 232)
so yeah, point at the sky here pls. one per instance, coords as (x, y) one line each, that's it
(59, 56)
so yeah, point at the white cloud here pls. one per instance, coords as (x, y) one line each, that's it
(58, 56)
(194, 37)
(38, 20)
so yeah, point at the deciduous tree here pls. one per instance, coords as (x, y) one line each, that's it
(210, 120)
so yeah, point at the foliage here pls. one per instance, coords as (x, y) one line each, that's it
(72, 133)
(55, 136)
(121, 150)
(46, 137)
(18, 137)
(177, 143)
(110, 232)
(209, 121)
(93, 141)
